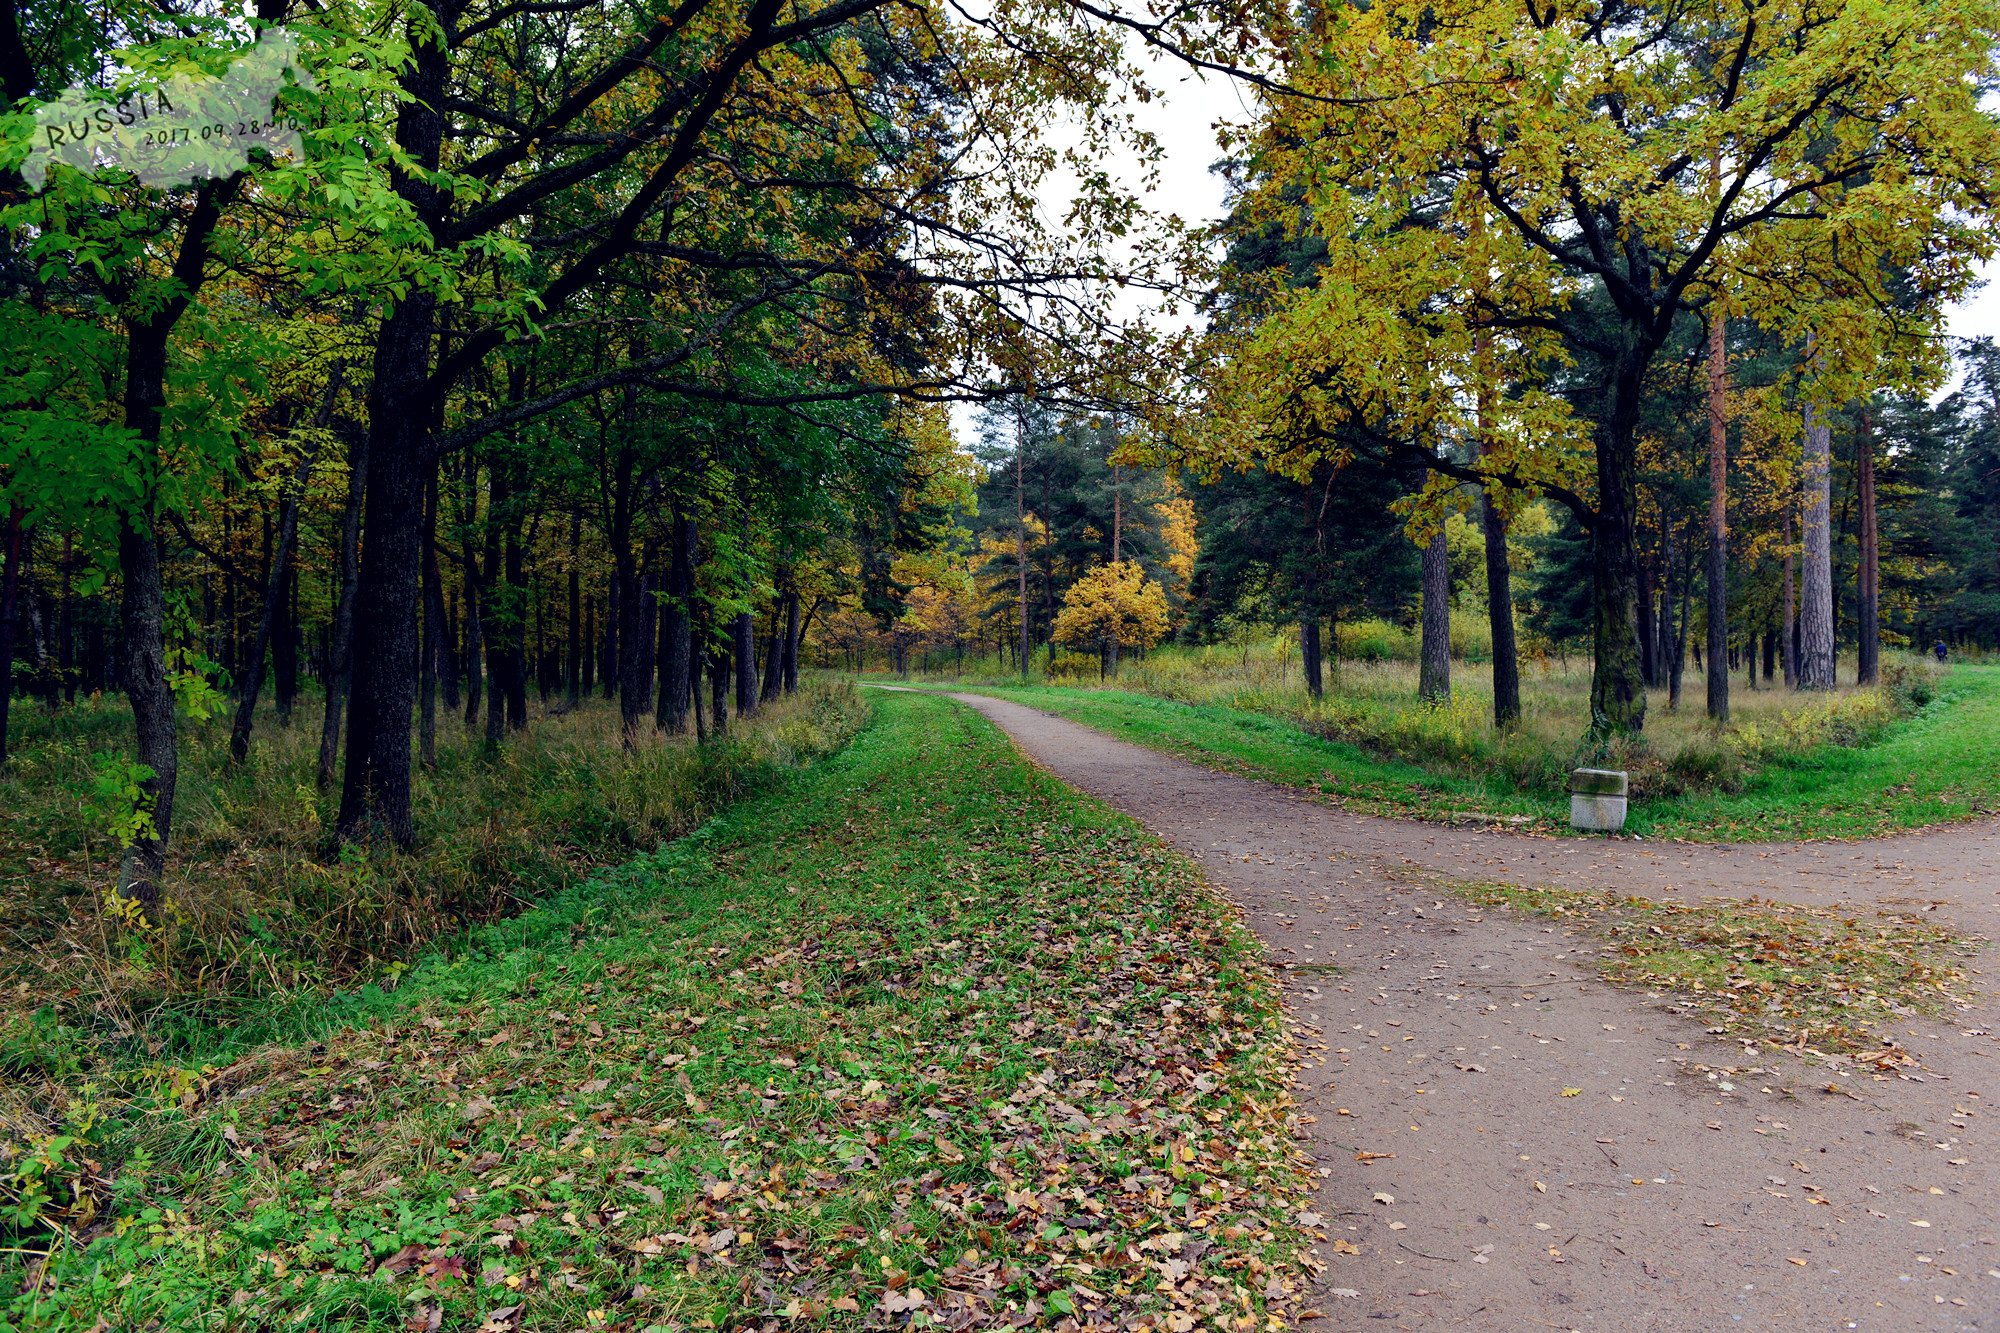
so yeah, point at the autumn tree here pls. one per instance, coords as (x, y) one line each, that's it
(1481, 165)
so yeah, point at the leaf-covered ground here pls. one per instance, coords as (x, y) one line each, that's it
(926, 1040)
(1805, 978)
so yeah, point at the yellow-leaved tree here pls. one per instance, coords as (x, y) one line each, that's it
(1510, 192)
(1113, 605)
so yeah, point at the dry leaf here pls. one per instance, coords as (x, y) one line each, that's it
(1385, 1198)
(1572, 1092)
(1540, 1188)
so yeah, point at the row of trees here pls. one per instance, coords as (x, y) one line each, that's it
(1567, 253)
(580, 339)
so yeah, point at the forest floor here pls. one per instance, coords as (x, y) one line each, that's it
(923, 1037)
(1547, 1119)
(1938, 765)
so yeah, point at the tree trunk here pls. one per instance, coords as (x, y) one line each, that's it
(718, 686)
(1770, 655)
(340, 659)
(1021, 535)
(1434, 672)
(1500, 618)
(1816, 613)
(375, 792)
(517, 623)
(589, 646)
(1309, 664)
(677, 671)
(746, 664)
(1617, 688)
(1718, 522)
(274, 593)
(433, 640)
(1869, 650)
(1788, 648)
(573, 645)
(632, 695)
(793, 631)
(10, 600)
(152, 696)
(774, 653)
(475, 596)
(285, 642)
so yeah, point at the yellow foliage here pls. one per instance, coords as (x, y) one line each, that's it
(1113, 600)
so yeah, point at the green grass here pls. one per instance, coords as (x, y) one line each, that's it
(1938, 765)
(923, 1037)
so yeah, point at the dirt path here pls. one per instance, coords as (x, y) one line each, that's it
(1657, 1198)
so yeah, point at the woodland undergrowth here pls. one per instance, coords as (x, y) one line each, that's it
(925, 1039)
(262, 910)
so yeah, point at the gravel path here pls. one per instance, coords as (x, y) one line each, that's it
(1662, 1196)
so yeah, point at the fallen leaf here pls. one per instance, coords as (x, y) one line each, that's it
(1572, 1092)
(1398, 1226)
(1385, 1198)
(1346, 1247)
(1540, 1188)
(1800, 1262)
(1345, 1293)
(1372, 1156)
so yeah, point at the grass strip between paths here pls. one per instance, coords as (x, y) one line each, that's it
(1938, 766)
(925, 1039)
(1811, 980)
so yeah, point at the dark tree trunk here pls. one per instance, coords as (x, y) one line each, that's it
(496, 616)
(632, 694)
(588, 645)
(341, 655)
(677, 672)
(607, 659)
(10, 601)
(279, 562)
(433, 642)
(375, 790)
(1770, 655)
(649, 629)
(746, 665)
(517, 625)
(1434, 668)
(574, 646)
(66, 658)
(285, 644)
(1309, 663)
(774, 653)
(1617, 690)
(718, 685)
(475, 594)
(1869, 649)
(793, 631)
(1500, 618)
(694, 691)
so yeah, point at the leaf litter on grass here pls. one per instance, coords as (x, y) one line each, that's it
(1806, 979)
(970, 1055)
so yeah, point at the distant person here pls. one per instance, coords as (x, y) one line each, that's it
(1939, 650)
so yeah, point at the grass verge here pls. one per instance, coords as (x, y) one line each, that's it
(1938, 765)
(1805, 979)
(924, 1039)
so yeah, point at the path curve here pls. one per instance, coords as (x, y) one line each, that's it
(1656, 1198)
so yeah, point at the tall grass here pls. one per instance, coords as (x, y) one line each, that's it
(1371, 701)
(259, 901)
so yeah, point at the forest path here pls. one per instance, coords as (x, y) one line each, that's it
(1660, 1197)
